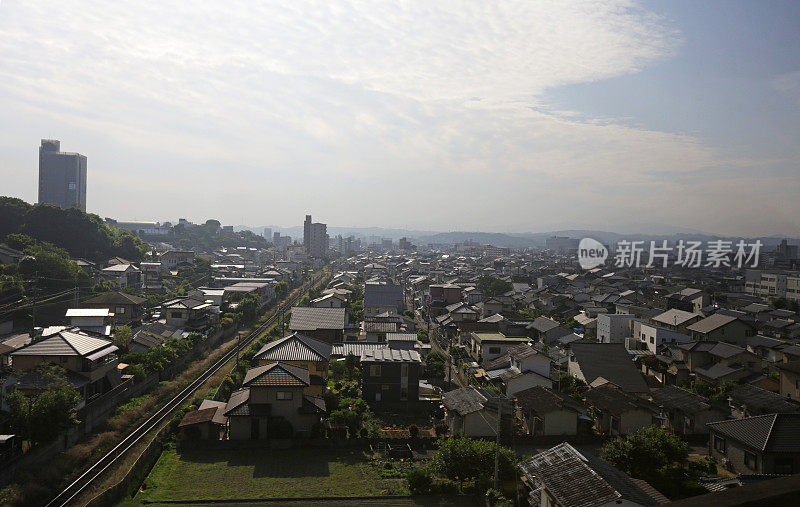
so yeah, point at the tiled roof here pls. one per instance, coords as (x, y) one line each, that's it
(277, 375)
(711, 323)
(611, 361)
(466, 400)
(312, 404)
(112, 298)
(383, 295)
(355, 348)
(401, 337)
(65, 343)
(675, 398)
(238, 403)
(310, 319)
(542, 400)
(566, 475)
(674, 317)
(295, 347)
(771, 432)
(755, 398)
(391, 356)
(609, 398)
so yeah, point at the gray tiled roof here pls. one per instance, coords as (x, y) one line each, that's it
(568, 476)
(771, 432)
(616, 401)
(295, 347)
(277, 375)
(237, 403)
(711, 323)
(466, 400)
(542, 400)
(112, 298)
(65, 343)
(675, 398)
(610, 361)
(383, 295)
(310, 319)
(755, 398)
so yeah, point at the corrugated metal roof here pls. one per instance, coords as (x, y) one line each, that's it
(391, 355)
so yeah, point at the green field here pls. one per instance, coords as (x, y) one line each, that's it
(263, 473)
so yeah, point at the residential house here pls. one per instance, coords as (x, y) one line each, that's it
(763, 444)
(543, 411)
(488, 346)
(125, 275)
(329, 301)
(563, 477)
(676, 320)
(151, 276)
(390, 375)
(173, 259)
(613, 327)
(325, 324)
(617, 412)
(718, 361)
(689, 300)
(547, 330)
(685, 412)
(95, 320)
(525, 368)
(651, 337)
(126, 308)
(272, 404)
(208, 422)
(299, 350)
(92, 361)
(473, 412)
(187, 313)
(722, 328)
(589, 361)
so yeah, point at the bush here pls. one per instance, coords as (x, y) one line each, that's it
(413, 431)
(441, 429)
(419, 480)
(496, 497)
(443, 488)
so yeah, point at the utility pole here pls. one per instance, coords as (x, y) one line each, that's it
(77, 291)
(497, 444)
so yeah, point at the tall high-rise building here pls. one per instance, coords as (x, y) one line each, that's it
(267, 233)
(307, 233)
(315, 238)
(62, 176)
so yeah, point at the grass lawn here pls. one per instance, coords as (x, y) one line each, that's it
(264, 473)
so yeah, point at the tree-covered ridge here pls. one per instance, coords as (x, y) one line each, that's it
(210, 236)
(81, 234)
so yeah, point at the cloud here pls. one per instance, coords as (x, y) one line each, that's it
(266, 109)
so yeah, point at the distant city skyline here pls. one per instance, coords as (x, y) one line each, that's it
(518, 117)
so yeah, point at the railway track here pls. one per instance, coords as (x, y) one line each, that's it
(88, 477)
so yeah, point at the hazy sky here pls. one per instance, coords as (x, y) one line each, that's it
(472, 115)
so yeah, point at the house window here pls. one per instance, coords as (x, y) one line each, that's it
(750, 460)
(120, 310)
(494, 350)
(283, 395)
(385, 388)
(375, 370)
(176, 315)
(652, 339)
(719, 444)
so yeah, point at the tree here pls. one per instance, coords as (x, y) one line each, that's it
(122, 337)
(462, 459)
(41, 417)
(644, 453)
(491, 286)
(435, 363)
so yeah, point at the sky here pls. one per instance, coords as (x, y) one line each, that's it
(515, 116)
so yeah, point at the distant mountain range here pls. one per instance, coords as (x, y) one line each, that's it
(519, 240)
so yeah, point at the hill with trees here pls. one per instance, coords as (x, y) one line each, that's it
(80, 234)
